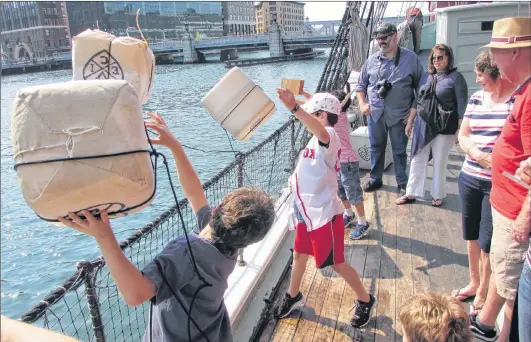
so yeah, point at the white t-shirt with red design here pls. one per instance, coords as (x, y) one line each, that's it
(314, 182)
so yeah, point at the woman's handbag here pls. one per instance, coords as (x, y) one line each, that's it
(430, 110)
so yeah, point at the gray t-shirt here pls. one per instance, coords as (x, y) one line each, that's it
(170, 321)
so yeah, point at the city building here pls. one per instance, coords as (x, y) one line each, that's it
(238, 17)
(433, 5)
(289, 15)
(32, 29)
(83, 15)
(163, 19)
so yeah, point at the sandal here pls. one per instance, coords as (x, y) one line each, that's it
(405, 200)
(436, 202)
(462, 296)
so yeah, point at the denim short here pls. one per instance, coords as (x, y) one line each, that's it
(349, 183)
(476, 210)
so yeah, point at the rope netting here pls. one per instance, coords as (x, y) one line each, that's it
(88, 306)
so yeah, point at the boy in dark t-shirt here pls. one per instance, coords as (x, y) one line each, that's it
(171, 280)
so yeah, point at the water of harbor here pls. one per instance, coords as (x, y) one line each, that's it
(37, 256)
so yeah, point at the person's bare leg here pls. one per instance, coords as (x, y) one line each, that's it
(346, 204)
(351, 277)
(474, 254)
(360, 209)
(484, 276)
(493, 305)
(297, 272)
(507, 317)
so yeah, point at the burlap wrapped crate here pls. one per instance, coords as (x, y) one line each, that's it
(81, 119)
(238, 104)
(101, 55)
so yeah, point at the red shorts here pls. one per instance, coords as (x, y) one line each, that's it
(326, 244)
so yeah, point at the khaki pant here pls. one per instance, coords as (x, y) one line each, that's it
(506, 256)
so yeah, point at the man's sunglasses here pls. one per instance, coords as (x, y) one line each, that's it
(382, 38)
(439, 58)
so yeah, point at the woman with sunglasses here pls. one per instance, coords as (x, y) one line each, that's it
(452, 93)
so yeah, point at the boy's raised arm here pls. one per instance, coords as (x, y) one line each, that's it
(134, 287)
(310, 122)
(190, 183)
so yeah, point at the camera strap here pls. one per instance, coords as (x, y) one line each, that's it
(397, 60)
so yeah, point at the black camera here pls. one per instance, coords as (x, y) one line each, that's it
(383, 87)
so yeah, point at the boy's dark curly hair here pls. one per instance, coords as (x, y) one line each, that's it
(243, 217)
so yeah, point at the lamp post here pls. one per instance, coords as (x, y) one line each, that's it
(222, 25)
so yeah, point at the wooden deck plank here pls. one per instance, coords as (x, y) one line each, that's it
(326, 326)
(285, 328)
(371, 271)
(418, 232)
(314, 304)
(404, 263)
(344, 331)
(385, 310)
(453, 217)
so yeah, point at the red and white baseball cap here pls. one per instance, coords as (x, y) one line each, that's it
(322, 101)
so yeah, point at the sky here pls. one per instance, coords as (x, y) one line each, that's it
(334, 10)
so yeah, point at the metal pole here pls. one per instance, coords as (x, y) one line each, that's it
(292, 156)
(241, 163)
(92, 300)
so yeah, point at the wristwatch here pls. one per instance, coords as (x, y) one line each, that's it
(295, 109)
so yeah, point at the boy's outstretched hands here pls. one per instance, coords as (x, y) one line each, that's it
(287, 98)
(99, 228)
(157, 124)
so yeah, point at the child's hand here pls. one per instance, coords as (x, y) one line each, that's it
(165, 138)
(287, 98)
(98, 228)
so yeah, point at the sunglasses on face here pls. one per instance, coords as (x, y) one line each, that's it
(383, 38)
(438, 58)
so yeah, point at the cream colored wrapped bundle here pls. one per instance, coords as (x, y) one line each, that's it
(130, 59)
(239, 105)
(81, 119)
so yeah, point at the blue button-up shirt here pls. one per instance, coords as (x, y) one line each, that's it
(406, 82)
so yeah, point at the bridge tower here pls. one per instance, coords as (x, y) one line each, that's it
(189, 53)
(276, 45)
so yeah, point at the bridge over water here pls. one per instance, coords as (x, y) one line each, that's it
(321, 34)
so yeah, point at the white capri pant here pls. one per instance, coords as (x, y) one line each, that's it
(440, 148)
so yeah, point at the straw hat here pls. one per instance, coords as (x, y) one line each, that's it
(508, 33)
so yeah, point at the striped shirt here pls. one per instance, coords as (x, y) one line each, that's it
(343, 131)
(486, 122)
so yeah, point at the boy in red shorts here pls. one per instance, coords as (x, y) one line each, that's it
(316, 208)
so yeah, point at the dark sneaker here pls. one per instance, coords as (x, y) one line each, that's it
(402, 189)
(349, 220)
(360, 231)
(483, 335)
(372, 185)
(362, 312)
(288, 305)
